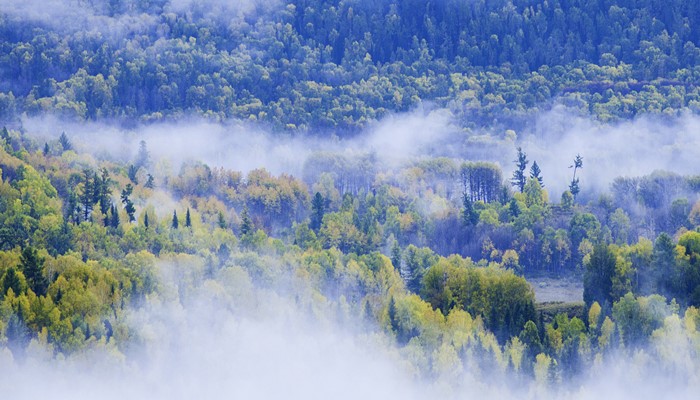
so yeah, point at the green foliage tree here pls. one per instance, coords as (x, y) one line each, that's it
(175, 223)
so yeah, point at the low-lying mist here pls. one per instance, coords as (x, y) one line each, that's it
(609, 150)
(227, 337)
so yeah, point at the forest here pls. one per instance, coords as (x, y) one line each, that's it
(112, 249)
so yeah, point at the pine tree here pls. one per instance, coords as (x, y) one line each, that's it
(11, 281)
(246, 223)
(535, 173)
(317, 206)
(578, 164)
(188, 219)
(132, 172)
(86, 196)
(128, 204)
(32, 268)
(145, 220)
(65, 142)
(47, 150)
(469, 215)
(396, 256)
(519, 178)
(105, 191)
(150, 182)
(114, 221)
(391, 311)
(222, 220)
(175, 223)
(143, 158)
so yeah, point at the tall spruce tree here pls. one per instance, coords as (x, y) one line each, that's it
(536, 173)
(32, 268)
(519, 178)
(317, 211)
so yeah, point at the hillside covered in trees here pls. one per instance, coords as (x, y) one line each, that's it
(117, 257)
(333, 66)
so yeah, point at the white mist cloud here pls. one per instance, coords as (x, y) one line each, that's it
(74, 15)
(630, 148)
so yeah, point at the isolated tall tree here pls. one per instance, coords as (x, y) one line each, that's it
(87, 195)
(519, 178)
(536, 173)
(32, 268)
(47, 149)
(188, 219)
(175, 223)
(145, 220)
(105, 191)
(573, 187)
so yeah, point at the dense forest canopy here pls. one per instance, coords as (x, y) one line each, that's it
(177, 172)
(320, 65)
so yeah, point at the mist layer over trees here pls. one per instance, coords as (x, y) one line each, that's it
(351, 188)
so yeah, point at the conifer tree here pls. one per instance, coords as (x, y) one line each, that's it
(578, 164)
(469, 215)
(222, 220)
(519, 178)
(175, 223)
(114, 220)
(536, 173)
(32, 268)
(246, 223)
(317, 206)
(87, 195)
(128, 204)
(65, 142)
(188, 219)
(11, 281)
